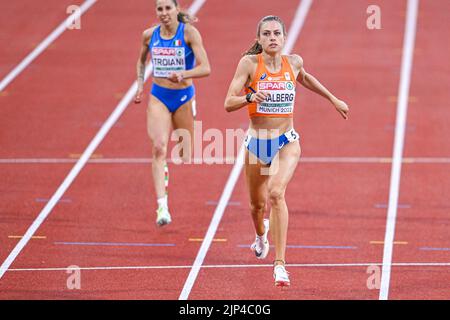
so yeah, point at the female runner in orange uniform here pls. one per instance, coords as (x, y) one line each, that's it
(273, 147)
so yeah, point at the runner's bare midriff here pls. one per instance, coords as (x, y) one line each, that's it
(166, 83)
(267, 128)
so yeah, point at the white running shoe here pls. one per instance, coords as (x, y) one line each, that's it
(261, 244)
(281, 276)
(163, 216)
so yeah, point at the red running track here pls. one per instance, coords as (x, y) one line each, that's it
(327, 206)
(24, 24)
(331, 204)
(425, 223)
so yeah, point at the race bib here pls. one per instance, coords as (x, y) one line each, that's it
(167, 60)
(280, 99)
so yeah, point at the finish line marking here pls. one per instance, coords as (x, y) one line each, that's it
(99, 159)
(231, 266)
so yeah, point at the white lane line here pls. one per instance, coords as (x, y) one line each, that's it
(218, 213)
(120, 108)
(110, 160)
(243, 266)
(45, 43)
(293, 33)
(402, 108)
(360, 160)
(196, 6)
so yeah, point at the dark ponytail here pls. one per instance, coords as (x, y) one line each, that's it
(257, 48)
(184, 17)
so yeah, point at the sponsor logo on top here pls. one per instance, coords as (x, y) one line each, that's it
(276, 85)
(164, 51)
(180, 52)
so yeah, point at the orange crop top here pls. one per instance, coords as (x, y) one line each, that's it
(280, 87)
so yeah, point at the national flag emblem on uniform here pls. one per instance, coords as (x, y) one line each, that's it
(177, 42)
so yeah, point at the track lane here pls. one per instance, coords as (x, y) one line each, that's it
(424, 224)
(328, 208)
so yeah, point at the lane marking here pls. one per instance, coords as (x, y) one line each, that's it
(33, 237)
(434, 249)
(345, 160)
(391, 127)
(385, 205)
(115, 115)
(402, 108)
(417, 51)
(116, 244)
(79, 155)
(230, 266)
(97, 124)
(119, 95)
(293, 34)
(201, 239)
(45, 44)
(394, 242)
(411, 99)
(307, 247)
(66, 200)
(230, 203)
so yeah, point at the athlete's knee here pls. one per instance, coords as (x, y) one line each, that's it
(159, 149)
(257, 207)
(276, 194)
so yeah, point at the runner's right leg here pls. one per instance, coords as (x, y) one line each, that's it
(159, 121)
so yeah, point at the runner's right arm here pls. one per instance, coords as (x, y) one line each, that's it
(234, 100)
(140, 66)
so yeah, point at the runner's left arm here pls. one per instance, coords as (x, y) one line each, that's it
(202, 68)
(311, 83)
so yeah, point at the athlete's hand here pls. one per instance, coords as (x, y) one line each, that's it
(176, 77)
(342, 108)
(259, 97)
(138, 96)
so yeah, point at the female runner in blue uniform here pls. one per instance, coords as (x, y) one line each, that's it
(178, 56)
(272, 146)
